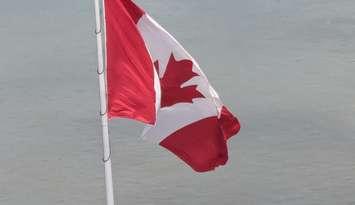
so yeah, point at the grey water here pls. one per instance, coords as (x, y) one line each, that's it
(286, 68)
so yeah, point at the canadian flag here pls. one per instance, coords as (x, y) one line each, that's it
(152, 78)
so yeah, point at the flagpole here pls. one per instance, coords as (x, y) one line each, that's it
(103, 109)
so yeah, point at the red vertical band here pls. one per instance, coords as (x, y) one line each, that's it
(130, 78)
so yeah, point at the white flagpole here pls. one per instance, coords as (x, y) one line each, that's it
(103, 108)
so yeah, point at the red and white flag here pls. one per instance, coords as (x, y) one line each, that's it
(152, 78)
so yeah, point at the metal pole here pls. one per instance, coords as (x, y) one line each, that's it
(103, 108)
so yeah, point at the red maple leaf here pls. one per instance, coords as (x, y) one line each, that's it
(177, 73)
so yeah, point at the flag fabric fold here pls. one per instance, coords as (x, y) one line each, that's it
(153, 79)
